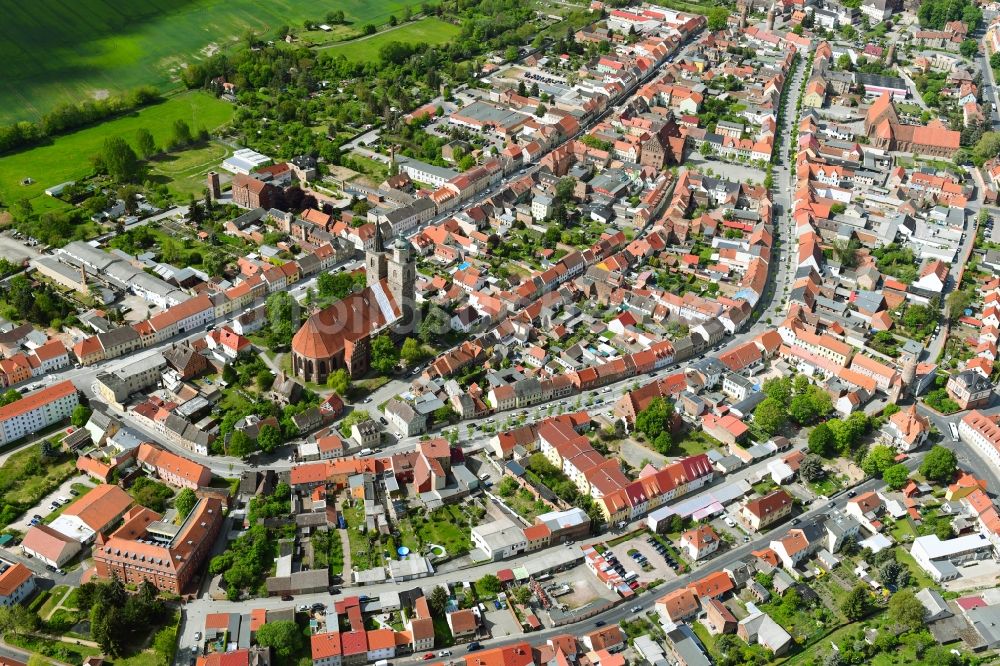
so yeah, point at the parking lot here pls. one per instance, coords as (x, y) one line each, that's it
(656, 566)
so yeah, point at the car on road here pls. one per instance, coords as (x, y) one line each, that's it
(428, 656)
(287, 597)
(795, 521)
(197, 636)
(600, 623)
(851, 493)
(473, 646)
(444, 653)
(831, 505)
(635, 609)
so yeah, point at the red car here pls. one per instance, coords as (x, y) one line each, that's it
(429, 655)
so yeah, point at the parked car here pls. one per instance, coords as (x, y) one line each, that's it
(197, 635)
(444, 653)
(428, 656)
(473, 646)
(287, 597)
(635, 609)
(74, 492)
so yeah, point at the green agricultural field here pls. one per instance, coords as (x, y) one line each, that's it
(431, 31)
(68, 156)
(76, 49)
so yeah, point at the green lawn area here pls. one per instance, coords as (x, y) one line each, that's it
(363, 554)
(695, 442)
(376, 171)
(525, 504)
(901, 529)
(78, 49)
(184, 173)
(827, 486)
(429, 30)
(26, 477)
(448, 527)
(55, 596)
(68, 157)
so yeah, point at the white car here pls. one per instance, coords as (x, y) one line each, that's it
(444, 653)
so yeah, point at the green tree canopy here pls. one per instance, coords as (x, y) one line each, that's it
(769, 417)
(857, 604)
(384, 354)
(285, 638)
(185, 501)
(120, 161)
(906, 611)
(896, 476)
(878, 459)
(656, 418)
(939, 464)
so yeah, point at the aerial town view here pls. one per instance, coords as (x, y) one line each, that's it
(499, 333)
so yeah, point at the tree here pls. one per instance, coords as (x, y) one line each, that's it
(120, 161)
(282, 312)
(540, 110)
(896, 476)
(956, 302)
(185, 501)
(878, 459)
(229, 374)
(284, 637)
(769, 417)
(436, 323)
(240, 444)
(384, 354)
(857, 604)
(182, 133)
(939, 464)
(438, 600)
(339, 381)
(717, 18)
(906, 610)
(411, 352)
(489, 583)
(269, 438)
(81, 414)
(844, 62)
(522, 594)
(968, 48)
(779, 389)
(811, 468)
(145, 143)
(894, 574)
(656, 419)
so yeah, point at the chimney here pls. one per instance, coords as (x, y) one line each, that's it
(214, 185)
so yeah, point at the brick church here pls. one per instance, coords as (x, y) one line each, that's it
(340, 336)
(884, 130)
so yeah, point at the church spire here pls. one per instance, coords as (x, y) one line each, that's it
(379, 240)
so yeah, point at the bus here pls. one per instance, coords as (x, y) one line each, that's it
(954, 432)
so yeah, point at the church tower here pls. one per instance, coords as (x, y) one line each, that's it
(402, 280)
(376, 265)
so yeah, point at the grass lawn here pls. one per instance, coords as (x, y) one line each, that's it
(375, 171)
(901, 529)
(184, 173)
(55, 596)
(363, 554)
(26, 477)
(827, 486)
(696, 442)
(429, 30)
(448, 527)
(68, 157)
(78, 49)
(525, 504)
